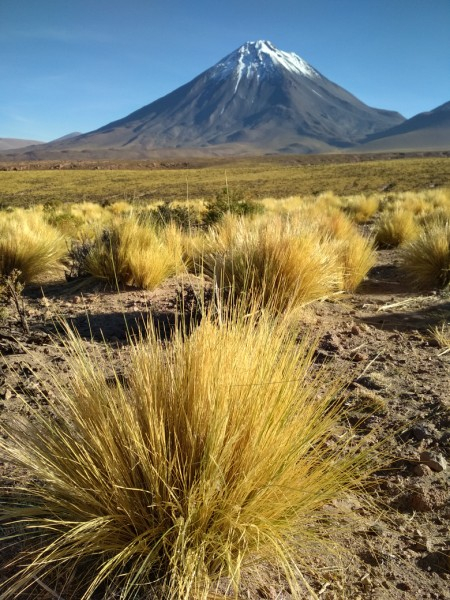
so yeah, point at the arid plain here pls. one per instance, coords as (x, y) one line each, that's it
(344, 258)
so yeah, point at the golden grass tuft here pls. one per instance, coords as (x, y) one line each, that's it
(271, 263)
(132, 254)
(361, 207)
(30, 245)
(356, 255)
(442, 336)
(426, 260)
(120, 208)
(211, 454)
(395, 228)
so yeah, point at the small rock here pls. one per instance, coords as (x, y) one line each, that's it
(423, 546)
(355, 330)
(421, 470)
(403, 586)
(418, 501)
(421, 543)
(366, 583)
(435, 461)
(331, 342)
(373, 381)
(77, 300)
(438, 562)
(359, 357)
(420, 431)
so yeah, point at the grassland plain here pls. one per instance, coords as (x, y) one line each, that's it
(278, 177)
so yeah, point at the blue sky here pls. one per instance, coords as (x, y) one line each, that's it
(75, 65)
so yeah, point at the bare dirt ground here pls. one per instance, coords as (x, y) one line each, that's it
(399, 376)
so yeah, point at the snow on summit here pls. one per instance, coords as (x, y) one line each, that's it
(259, 58)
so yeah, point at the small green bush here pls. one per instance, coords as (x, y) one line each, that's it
(182, 216)
(234, 202)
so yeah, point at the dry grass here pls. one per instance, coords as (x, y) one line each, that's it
(426, 260)
(132, 254)
(362, 207)
(354, 253)
(395, 228)
(29, 245)
(271, 263)
(210, 456)
(356, 256)
(442, 336)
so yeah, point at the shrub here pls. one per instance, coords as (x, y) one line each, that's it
(29, 245)
(185, 216)
(131, 254)
(426, 260)
(64, 221)
(230, 201)
(212, 454)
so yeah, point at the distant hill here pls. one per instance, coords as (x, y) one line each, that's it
(68, 136)
(256, 100)
(425, 131)
(13, 143)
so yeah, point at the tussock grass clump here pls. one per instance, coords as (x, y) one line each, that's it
(273, 264)
(88, 212)
(283, 205)
(132, 254)
(212, 455)
(356, 256)
(395, 228)
(439, 215)
(354, 253)
(361, 208)
(426, 260)
(286, 262)
(120, 208)
(29, 245)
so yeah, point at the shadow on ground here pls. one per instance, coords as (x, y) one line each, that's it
(418, 319)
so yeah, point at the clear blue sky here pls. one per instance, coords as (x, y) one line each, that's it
(75, 65)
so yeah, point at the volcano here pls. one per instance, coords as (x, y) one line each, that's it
(258, 99)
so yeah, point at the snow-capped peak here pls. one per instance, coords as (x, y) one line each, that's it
(257, 58)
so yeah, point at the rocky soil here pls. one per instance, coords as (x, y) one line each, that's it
(399, 387)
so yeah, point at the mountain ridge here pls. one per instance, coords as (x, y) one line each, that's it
(429, 130)
(15, 143)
